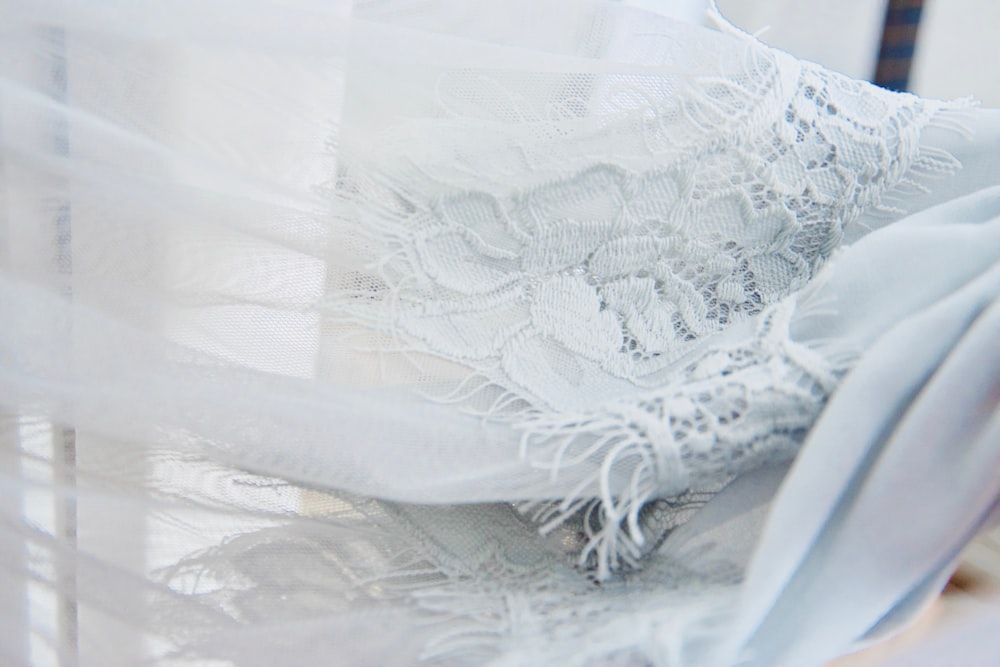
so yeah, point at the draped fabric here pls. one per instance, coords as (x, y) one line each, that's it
(424, 332)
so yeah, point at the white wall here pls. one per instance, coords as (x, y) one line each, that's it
(956, 50)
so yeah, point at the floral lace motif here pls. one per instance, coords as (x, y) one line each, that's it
(582, 285)
(574, 295)
(728, 412)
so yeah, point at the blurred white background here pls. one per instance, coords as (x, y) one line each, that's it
(956, 52)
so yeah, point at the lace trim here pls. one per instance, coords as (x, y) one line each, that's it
(730, 411)
(611, 275)
(564, 295)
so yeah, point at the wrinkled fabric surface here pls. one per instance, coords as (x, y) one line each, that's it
(425, 332)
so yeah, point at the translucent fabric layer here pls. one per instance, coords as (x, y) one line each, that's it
(535, 332)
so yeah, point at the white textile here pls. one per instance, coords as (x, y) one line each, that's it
(441, 332)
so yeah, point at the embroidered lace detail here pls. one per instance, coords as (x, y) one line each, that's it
(573, 287)
(483, 584)
(608, 276)
(726, 413)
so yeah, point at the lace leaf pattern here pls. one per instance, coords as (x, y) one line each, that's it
(575, 290)
(498, 587)
(483, 584)
(611, 274)
(731, 410)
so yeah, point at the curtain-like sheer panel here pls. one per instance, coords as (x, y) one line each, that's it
(425, 332)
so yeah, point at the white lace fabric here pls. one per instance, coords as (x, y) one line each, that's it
(565, 295)
(411, 332)
(738, 190)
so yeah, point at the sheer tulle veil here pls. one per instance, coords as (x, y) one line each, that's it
(533, 332)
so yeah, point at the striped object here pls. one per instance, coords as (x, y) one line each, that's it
(899, 35)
